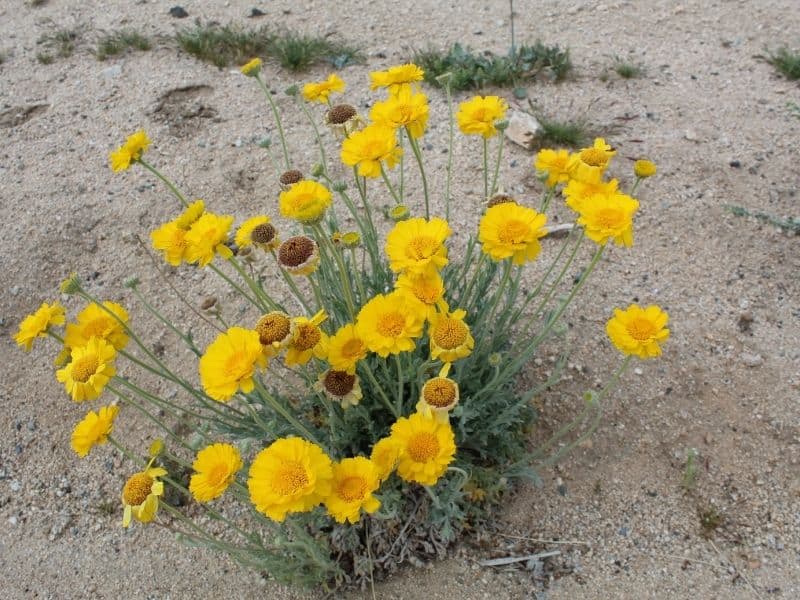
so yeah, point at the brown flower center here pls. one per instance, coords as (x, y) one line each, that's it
(640, 329)
(84, 367)
(439, 392)
(339, 383)
(340, 114)
(500, 199)
(291, 176)
(290, 478)
(308, 336)
(273, 327)
(296, 250)
(137, 489)
(423, 446)
(450, 333)
(263, 234)
(352, 489)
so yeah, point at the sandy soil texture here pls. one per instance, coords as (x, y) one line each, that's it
(708, 110)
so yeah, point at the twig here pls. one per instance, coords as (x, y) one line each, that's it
(498, 562)
(544, 541)
(684, 559)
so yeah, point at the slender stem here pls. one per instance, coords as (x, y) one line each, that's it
(402, 143)
(344, 277)
(172, 187)
(547, 197)
(235, 286)
(389, 185)
(291, 283)
(152, 310)
(281, 410)
(500, 145)
(362, 296)
(316, 134)
(485, 169)
(636, 185)
(418, 155)
(378, 387)
(277, 116)
(450, 140)
(399, 401)
(465, 299)
(259, 293)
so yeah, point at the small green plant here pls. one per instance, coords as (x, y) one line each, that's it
(786, 62)
(710, 520)
(794, 109)
(690, 470)
(470, 70)
(791, 224)
(231, 45)
(61, 43)
(563, 133)
(118, 42)
(626, 69)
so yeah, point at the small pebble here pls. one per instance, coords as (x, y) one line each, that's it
(735, 164)
(255, 12)
(178, 12)
(750, 359)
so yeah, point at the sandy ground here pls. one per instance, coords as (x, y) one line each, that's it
(728, 385)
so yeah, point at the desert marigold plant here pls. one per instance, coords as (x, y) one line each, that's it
(365, 379)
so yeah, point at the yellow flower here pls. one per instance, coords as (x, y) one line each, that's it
(251, 68)
(577, 192)
(171, 241)
(417, 245)
(423, 290)
(320, 91)
(555, 163)
(346, 348)
(510, 230)
(36, 324)
(369, 147)
(427, 447)
(405, 109)
(354, 481)
(229, 363)
(95, 321)
(439, 395)
(89, 370)
(275, 330)
(299, 255)
(385, 456)
(351, 239)
(387, 325)
(396, 77)
(309, 340)
(340, 386)
(638, 331)
(398, 213)
(190, 214)
(305, 201)
(215, 469)
(609, 217)
(587, 163)
(644, 168)
(140, 494)
(450, 335)
(290, 475)
(478, 115)
(93, 430)
(207, 237)
(131, 151)
(257, 231)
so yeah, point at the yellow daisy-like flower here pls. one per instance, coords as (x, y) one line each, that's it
(215, 469)
(385, 456)
(170, 240)
(93, 430)
(309, 340)
(257, 231)
(397, 77)
(387, 325)
(427, 447)
(299, 255)
(424, 290)
(404, 109)
(252, 67)
(320, 91)
(450, 335)
(207, 237)
(275, 330)
(479, 115)
(354, 481)
(290, 475)
(229, 363)
(644, 168)
(399, 213)
(510, 230)
(346, 348)
(576, 192)
(131, 151)
(439, 395)
(89, 370)
(340, 386)
(190, 214)
(555, 163)
(369, 147)
(638, 331)
(609, 217)
(140, 494)
(95, 321)
(417, 245)
(587, 163)
(305, 201)
(36, 324)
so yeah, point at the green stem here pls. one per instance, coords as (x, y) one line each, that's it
(235, 286)
(172, 187)
(277, 116)
(501, 143)
(485, 169)
(259, 293)
(418, 155)
(636, 185)
(291, 283)
(378, 387)
(399, 401)
(547, 197)
(152, 310)
(281, 410)
(389, 185)
(344, 277)
(449, 151)
(316, 134)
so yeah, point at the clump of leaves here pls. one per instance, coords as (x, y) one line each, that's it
(790, 224)
(690, 470)
(710, 520)
(231, 45)
(470, 70)
(564, 133)
(627, 69)
(786, 62)
(60, 43)
(118, 42)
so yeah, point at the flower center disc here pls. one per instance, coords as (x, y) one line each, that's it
(609, 217)
(450, 333)
(272, 327)
(308, 336)
(513, 232)
(339, 383)
(421, 247)
(218, 475)
(263, 234)
(290, 478)
(391, 324)
(137, 489)
(96, 327)
(439, 392)
(295, 251)
(352, 348)
(641, 329)
(352, 489)
(423, 447)
(85, 367)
